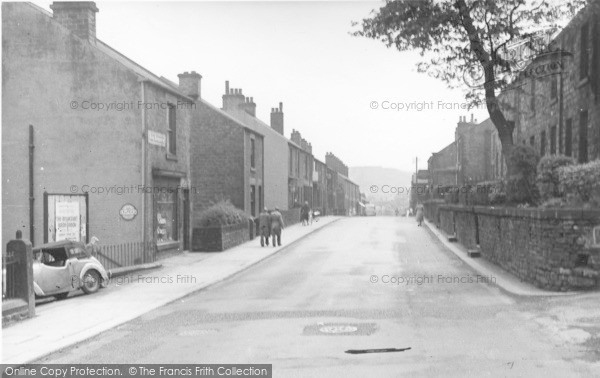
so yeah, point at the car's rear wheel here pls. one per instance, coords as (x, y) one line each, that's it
(91, 282)
(61, 296)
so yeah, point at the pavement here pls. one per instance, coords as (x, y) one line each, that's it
(59, 324)
(503, 279)
(362, 283)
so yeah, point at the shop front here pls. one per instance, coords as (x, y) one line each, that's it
(169, 201)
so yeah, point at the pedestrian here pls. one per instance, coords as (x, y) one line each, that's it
(264, 227)
(304, 211)
(276, 227)
(420, 213)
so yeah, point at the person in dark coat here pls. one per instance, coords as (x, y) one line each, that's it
(276, 227)
(304, 213)
(264, 227)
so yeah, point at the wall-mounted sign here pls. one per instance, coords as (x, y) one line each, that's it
(157, 139)
(128, 212)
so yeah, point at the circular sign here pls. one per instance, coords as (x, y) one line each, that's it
(128, 212)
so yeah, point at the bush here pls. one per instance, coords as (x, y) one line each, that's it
(223, 213)
(580, 183)
(488, 193)
(547, 175)
(521, 185)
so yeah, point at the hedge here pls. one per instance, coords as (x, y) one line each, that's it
(580, 183)
(547, 175)
(223, 213)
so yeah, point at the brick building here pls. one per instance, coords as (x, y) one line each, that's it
(300, 173)
(320, 186)
(343, 195)
(227, 157)
(275, 144)
(558, 112)
(109, 139)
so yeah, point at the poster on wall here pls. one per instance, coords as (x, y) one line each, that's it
(67, 221)
(65, 217)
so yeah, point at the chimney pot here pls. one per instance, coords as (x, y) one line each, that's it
(226, 86)
(281, 106)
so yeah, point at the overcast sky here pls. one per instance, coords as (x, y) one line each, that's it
(300, 53)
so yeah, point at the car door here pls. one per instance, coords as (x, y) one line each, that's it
(55, 274)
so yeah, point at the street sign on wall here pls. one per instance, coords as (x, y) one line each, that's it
(157, 139)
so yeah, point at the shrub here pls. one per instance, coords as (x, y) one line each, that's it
(521, 186)
(488, 193)
(580, 183)
(222, 213)
(547, 175)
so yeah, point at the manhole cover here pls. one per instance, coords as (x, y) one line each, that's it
(338, 329)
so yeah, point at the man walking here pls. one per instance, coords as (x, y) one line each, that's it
(264, 227)
(304, 211)
(276, 226)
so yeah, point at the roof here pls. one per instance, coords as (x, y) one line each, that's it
(117, 56)
(258, 125)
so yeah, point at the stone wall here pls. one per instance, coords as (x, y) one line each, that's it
(554, 249)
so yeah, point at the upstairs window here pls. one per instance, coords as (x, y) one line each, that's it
(172, 117)
(252, 153)
(584, 54)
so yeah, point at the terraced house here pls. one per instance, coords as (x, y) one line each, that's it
(558, 111)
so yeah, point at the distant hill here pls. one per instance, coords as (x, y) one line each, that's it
(383, 179)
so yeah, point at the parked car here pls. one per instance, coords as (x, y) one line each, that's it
(65, 266)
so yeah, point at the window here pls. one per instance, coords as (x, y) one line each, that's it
(261, 206)
(291, 162)
(543, 143)
(583, 137)
(583, 52)
(553, 140)
(297, 163)
(253, 200)
(252, 153)
(553, 87)
(560, 138)
(569, 137)
(172, 129)
(307, 165)
(532, 141)
(532, 99)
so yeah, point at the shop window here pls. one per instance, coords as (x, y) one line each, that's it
(165, 215)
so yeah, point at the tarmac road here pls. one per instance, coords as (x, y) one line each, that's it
(360, 283)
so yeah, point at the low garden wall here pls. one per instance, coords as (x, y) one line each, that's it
(554, 249)
(216, 239)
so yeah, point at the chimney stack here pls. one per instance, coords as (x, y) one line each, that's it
(77, 16)
(233, 99)
(189, 84)
(277, 119)
(249, 106)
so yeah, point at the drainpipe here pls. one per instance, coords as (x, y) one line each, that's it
(31, 197)
(144, 147)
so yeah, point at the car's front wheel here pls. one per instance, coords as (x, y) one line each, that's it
(91, 282)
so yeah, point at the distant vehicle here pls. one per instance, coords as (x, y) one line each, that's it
(65, 266)
(370, 210)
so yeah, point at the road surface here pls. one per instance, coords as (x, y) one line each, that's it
(360, 283)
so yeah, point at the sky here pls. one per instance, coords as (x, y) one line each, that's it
(335, 87)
